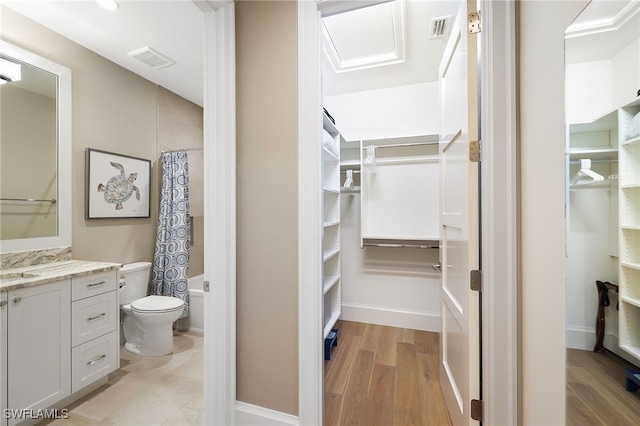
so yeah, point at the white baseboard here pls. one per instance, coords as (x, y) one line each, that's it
(253, 415)
(583, 338)
(426, 321)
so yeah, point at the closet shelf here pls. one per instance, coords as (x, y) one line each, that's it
(330, 154)
(593, 153)
(328, 254)
(631, 265)
(332, 223)
(329, 283)
(331, 190)
(630, 186)
(633, 350)
(631, 300)
(329, 326)
(350, 164)
(634, 141)
(631, 227)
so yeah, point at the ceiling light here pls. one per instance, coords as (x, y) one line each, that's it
(109, 4)
(9, 71)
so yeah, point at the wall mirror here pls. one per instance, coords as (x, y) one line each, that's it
(602, 70)
(35, 151)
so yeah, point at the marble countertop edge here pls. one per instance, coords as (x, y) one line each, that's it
(12, 279)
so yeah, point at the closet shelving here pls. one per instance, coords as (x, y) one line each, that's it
(331, 224)
(400, 191)
(629, 236)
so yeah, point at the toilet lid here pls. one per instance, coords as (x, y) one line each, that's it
(157, 304)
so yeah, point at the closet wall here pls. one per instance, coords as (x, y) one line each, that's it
(390, 286)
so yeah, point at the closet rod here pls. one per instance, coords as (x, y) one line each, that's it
(343, 172)
(611, 160)
(404, 144)
(183, 149)
(393, 245)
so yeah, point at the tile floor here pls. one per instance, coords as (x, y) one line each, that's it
(148, 390)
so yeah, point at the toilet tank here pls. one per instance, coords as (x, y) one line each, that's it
(134, 281)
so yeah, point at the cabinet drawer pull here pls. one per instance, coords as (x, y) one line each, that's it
(2, 303)
(97, 359)
(96, 317)
(96, 284)
(17, 299)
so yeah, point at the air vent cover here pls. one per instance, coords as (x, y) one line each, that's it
(151, 58)
(439, 26)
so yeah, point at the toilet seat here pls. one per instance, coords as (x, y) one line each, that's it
(157, 305)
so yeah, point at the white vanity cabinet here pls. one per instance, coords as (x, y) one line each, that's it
(94, 326)
(38, 346)
(56, 339)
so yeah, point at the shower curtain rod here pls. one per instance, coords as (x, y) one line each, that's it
(183, 149)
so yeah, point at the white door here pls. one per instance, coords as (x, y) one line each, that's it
(459, 218)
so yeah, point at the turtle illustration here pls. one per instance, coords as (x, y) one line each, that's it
(119, 188)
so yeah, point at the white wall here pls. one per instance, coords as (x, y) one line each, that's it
(391, 286)
(589, 255)
(387, 113)
(596, 88)
(589, 91)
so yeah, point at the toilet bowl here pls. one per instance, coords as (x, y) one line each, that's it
(148, 320)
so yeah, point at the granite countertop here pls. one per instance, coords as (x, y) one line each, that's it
(27, 276)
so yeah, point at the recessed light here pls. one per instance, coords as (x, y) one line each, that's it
(109, 4)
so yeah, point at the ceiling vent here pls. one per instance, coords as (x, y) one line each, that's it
(151, 58)
(439, 27)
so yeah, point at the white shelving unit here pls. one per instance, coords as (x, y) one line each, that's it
(629, 234)
(331, 226)
(400, 191)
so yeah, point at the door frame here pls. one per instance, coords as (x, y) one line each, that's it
(219, 114)
(499, 208)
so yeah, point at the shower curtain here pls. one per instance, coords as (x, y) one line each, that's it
(171, 258)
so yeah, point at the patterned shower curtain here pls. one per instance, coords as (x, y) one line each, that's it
(171, 258)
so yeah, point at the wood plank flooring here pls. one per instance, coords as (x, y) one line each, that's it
(596, 392)
(383, 376)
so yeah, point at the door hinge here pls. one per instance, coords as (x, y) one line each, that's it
(474, 151)
(476, 280)
(474, 22)
(476, 409)
(205, 286)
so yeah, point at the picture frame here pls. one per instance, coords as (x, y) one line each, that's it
(117, 186)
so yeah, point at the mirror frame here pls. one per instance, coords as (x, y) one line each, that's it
(64, 112)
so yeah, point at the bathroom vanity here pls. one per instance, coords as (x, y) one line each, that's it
(59, 334)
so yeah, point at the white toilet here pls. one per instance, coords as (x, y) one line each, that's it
(148, 320)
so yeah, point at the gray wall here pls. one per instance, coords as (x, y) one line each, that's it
(113, 110)
(267, 204)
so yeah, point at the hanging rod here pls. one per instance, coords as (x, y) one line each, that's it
(344, 172)
(183, 149)
(404, 144)
(33, 200)
(611, 160)
(399, 243)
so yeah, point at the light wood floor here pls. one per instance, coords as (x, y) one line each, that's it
(596, 392)
(383, 376)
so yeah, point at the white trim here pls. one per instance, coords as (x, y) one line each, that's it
(253, 415)
(499, 213)
(220, 214)
(583, 338)
(426, 321)
(63, 197)
(310, 341)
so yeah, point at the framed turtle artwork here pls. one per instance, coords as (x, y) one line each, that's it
(117, 186)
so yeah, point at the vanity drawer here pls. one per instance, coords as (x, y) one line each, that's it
(93, 317)
(93, 284)
(93, 360)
